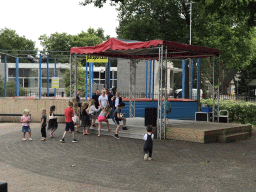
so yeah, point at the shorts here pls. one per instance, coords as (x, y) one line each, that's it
(26, 129)
(167, 113)
(117, 121)
(101, 118)
(69, 126)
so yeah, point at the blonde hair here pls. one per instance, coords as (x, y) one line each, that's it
(84, 105)
(91, 103)
(43, 109)
(73, 99)
(26, 111)
(103, 90)
(107, 108)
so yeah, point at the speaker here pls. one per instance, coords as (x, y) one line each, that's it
(150, 116)
(3, 186)
(201, 116)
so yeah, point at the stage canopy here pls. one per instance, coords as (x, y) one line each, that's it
(146, 49)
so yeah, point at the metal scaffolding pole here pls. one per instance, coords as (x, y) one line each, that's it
(70, 77)
(75, 76)
(160, 124)
(132, 90)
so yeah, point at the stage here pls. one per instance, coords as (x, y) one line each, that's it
(185, 130)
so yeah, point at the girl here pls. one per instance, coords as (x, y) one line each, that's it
(103, 117)
(85, 118)
(43, 124)
(93, 111)
(76, 118)
(53, 125)
(117, 100)
(25, 120)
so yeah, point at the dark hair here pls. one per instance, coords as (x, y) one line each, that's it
(121, 104)
(149, 128)
(52, 108)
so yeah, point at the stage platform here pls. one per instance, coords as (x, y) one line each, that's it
(185, 130)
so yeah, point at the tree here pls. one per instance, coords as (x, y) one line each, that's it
(63, 42)
(80, 80)
(98, 3)
(10, 89)
(11, 41)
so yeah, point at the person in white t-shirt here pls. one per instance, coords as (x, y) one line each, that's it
(103, 99)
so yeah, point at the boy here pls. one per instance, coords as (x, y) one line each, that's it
(148, 146)
(69, 113)
(117, 118)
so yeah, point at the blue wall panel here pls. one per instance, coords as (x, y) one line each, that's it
(180, 110)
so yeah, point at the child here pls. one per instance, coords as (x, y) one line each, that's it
(93, 111)
(25, 120)
(85, 118)
(69, 122)
(117, 118)
(148, 146)
(76, 118)
(103, 117)
(43, 124)
(53, 125)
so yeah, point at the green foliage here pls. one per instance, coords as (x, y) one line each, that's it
(149, 19)
(80, 80)
(63, 42)
(98, 3)
(239, 111)
(10, 40)
(10, 89)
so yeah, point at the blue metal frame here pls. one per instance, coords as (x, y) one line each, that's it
(146, 79)
(109, 65)
(191, 83)
(183, 77)
(5, 76)
(153, 81)
(40, 78)
(150, 74)
(198, 78)
(17, 77)
(55, 74)
(86, 77)
(47, 61)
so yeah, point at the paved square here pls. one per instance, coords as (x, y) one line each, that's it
(107, 164)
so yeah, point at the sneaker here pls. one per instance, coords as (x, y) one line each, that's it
(74, 140)
(125, 128)
(146, 157)
(116, 136)
(62, 140)
(150, 158)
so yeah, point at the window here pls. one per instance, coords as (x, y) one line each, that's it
(11, 72)
(96, 75)
(102, 75)
(62, 73)
(44, 83)
(44, 72)
(30, 82)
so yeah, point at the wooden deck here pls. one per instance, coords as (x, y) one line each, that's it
(207, 132)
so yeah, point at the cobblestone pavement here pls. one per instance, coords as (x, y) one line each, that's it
(107, 164)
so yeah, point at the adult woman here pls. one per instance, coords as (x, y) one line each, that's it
(116, 101)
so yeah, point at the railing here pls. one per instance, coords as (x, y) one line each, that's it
(237, 98)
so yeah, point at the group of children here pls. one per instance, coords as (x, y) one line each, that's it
(88, 112)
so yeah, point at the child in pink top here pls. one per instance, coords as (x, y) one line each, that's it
(25, 120)
(103, 117)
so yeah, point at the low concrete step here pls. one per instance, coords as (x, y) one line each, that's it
(233, 137)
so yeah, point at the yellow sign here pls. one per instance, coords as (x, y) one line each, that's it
(96, 59)
(55, 82)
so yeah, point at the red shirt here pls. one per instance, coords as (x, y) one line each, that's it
(68, 114)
